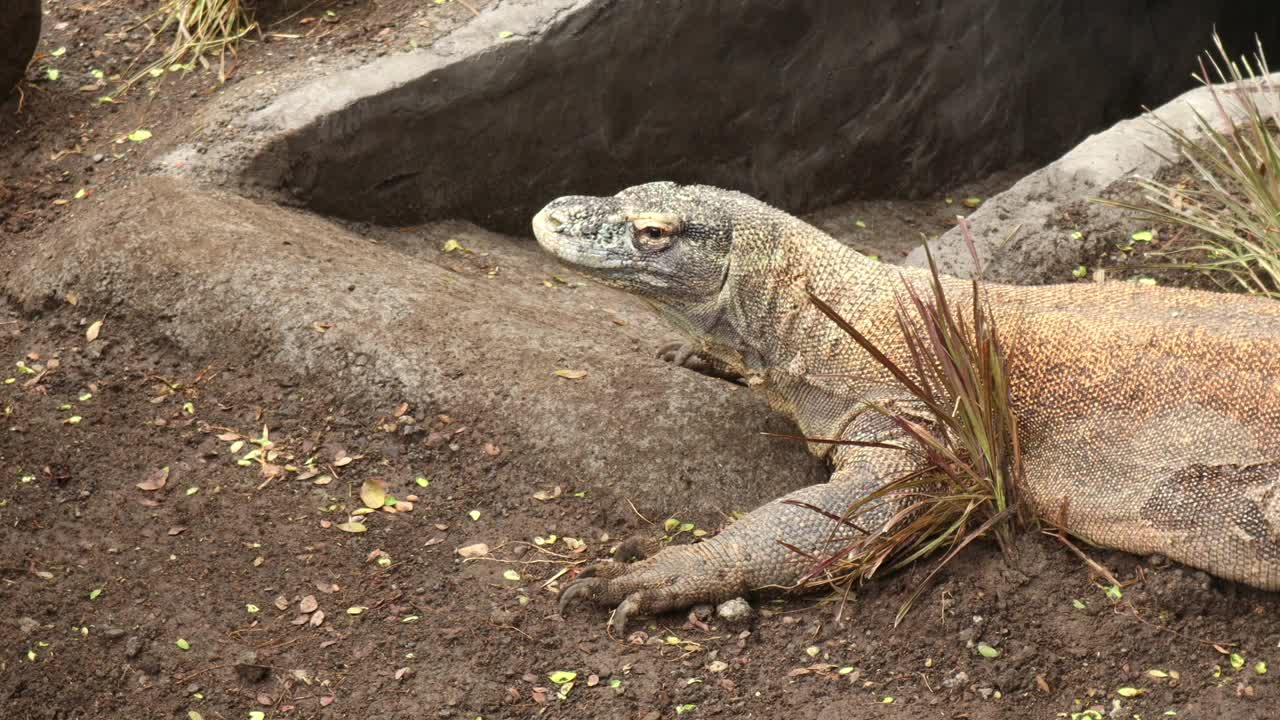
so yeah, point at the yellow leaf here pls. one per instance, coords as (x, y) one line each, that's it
(92, 333)
(373, 493)
(155, 480)
(571, 374)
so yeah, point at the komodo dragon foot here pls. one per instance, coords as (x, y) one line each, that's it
(676, 577)
(686, 355)
(745, 557)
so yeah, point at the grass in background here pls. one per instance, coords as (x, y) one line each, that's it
(969, 442)
(204, 32)
(1234, 210)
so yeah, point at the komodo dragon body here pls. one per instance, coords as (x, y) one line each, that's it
(1148, 416)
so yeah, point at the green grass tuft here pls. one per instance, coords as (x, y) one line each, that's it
(1234, 210)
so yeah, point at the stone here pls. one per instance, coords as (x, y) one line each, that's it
(1041, 250)
(801, 104)
(20, 23)
(734, 610)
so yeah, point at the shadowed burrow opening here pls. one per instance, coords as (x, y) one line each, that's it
(804, 104)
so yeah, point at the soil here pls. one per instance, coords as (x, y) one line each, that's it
(201, 596)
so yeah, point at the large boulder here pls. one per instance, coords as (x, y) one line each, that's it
(19, 33)
(803, 104)
(473, 333)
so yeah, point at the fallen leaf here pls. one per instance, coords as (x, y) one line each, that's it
(571, 374)
(317, 617)
(352, 527)
(94, 329)
(308, 604)
(548, 494)
(140, 135)
(281, 602)
(155, 480)
(373, 493)
(1129, 692)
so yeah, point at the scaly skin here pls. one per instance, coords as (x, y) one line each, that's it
(1147, 416)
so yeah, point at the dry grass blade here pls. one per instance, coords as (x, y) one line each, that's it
(1234, 210)
(954, 365)
(201, 29)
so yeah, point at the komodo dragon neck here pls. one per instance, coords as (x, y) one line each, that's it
(771, 332)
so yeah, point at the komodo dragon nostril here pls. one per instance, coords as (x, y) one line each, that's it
(556, 219)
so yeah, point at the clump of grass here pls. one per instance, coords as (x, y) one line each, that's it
(1234, 210)
(968, 444)
(203, 32)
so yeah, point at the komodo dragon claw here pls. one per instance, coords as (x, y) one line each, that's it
(676, 577)
(686, 355)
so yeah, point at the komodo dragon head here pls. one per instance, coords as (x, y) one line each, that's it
(667, 243)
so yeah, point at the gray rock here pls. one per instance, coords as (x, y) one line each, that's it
(1041, 251)
(441, 340)
(20, 27)
(735, 610)
(758, 95)
(133, 646)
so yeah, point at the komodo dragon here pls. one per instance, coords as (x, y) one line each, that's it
(1148, 416)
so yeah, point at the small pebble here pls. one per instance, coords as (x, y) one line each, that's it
(132, 646)
(734, 610)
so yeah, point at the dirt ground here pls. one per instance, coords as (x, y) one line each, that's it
(223, 587)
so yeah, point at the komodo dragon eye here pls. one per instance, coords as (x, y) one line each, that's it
(653, 233)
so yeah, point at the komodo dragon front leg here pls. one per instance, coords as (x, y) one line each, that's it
(749, 555)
